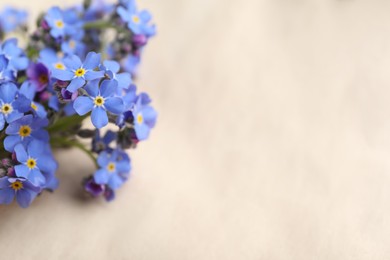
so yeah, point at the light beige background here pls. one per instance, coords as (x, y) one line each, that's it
(273, 142)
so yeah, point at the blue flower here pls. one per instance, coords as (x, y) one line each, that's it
(74, 47)
(34, 161)
(100, 100)
(24, 130)
(138, 22)
(77, 72)
(144, 117)
(114, 168)
(8, 107)
(51, 60)
(20, 188)
(6, 74)
(28, 91)
(112, 68)
(17, 60)
(130, 63)
(103, 143)
(62, 23)
(11, 18)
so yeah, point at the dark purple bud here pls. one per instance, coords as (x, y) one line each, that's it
(109, 194)
(139, 40)
(93, 188)
(6, 162)
(11, 172)
(67, 95)
(45, 25)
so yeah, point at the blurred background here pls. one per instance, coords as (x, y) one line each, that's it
(272, 141)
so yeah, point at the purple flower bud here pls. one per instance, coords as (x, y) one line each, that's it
(11, 172)
(45, 25)
(139, 40)
(109, 194)
(92, 188)
(69, 96)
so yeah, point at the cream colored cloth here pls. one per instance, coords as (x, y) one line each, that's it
(273, 142)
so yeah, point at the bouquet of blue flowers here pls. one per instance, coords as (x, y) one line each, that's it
(78, 63)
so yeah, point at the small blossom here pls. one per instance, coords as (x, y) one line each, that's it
(99, 101)
(138, 22)
(144, 117)
(34, 161)
(77, 72)
(114, 169)
(23, 190)
(24, 130)
(11, 18)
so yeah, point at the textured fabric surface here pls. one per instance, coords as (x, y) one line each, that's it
(273, 142)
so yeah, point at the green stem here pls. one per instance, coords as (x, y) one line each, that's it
(60, 142)
(103, 25)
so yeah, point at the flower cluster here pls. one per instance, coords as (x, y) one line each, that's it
(66, 74)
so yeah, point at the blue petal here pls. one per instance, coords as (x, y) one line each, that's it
(22, 170)
(101, 176)
(34, 148)
(28, 90)
(92, 60)
(123, 166)
(10, 142)
(99, 117)
(7, 92)
(142, 131)
(46, 164)
(21, 153)
(83, 105)
(108, 88)
(2, 122)
(64, 75)
(114, 105)
(103, 159)
(112, 65)
(41, 134)
(23, 197)
(36, 178)
(92, 88)
(91, 75)
(6, 196)
(115, 182)
(73, 62)
(150, 116)
(14, 116)
(4, 182)
(124, 80)
(75, 84)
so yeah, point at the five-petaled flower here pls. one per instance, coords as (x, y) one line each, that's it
(77, 72)
(114, 168)
(24, 130)
(20, 188)
(99, 100)
(34, 161)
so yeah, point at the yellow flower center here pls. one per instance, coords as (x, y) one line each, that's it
(6, 109)
(140, 119)
(80, 72)
(17, 185)
(99, 101)
(59, 66)
(135, 19)
(33, 106)
(59, 24)
(31, 163)
(24, 131)
(111, 167)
